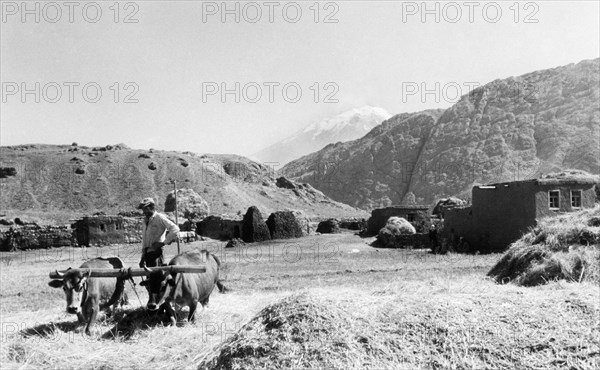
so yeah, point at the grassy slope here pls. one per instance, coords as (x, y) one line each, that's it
(396, 308)
(47, 189)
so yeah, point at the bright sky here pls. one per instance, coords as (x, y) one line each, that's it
(178, 57)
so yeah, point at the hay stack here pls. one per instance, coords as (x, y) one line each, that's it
(298, 327)
(566, 247)
(330, 226)
(395, 226)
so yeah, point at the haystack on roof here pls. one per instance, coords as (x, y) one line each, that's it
(576, 177)
(567, 177)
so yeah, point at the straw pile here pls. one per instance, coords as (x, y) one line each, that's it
(566, 247)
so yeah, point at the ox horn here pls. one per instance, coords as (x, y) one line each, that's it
(59, 274)
(146, 269)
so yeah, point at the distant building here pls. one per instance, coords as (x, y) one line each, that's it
(501, 213)
(106, 230)
(221, 228)
(417, 215)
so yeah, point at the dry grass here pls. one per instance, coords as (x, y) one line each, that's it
(327, 301)
(566, 247)
(374, 329)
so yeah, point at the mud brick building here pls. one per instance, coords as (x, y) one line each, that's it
(501, 213)
(220, 227)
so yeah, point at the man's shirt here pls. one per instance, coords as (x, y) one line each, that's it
(155, 230)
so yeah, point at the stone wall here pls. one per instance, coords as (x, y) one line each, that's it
(413, 241)
(36, 237)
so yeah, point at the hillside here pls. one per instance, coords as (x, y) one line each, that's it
(509, 129)
(346, 126)
(57, 182)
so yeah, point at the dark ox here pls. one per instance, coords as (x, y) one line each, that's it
(183, 289)
(87, 295)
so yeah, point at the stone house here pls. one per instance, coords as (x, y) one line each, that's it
(106, 230)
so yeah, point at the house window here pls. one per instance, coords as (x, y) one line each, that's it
(410, 217)
(102, 227)
(576, 198)
(553, 197)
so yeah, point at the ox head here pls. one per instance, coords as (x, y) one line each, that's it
(74, 283)
(158, 285)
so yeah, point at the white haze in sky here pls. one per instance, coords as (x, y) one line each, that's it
(377, 53)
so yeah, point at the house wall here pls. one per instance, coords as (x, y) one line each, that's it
(502, 214)
(459, 222)
(219, 228)
(588, 197)
(106, 230)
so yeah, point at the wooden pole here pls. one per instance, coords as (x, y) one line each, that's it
(126, 272)
(176, 216)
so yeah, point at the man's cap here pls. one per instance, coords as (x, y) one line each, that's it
(145, 203)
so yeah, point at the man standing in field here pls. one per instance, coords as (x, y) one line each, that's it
(154, 238)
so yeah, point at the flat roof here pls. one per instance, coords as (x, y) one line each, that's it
(547, 181)
(408, 206)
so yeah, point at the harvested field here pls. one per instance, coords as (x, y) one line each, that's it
(327, 301)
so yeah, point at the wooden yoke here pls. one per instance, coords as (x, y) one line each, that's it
(129, 272)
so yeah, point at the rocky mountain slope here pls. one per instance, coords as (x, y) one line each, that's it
(347, 126)
(71, 180)
(510, 129)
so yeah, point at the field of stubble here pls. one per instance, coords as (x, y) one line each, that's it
(327, 301)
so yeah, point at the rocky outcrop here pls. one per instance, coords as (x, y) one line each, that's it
(282, 182)
(254, 227)
(189, 203)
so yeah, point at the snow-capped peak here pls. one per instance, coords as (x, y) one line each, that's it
(349, 125)
(364, 118)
